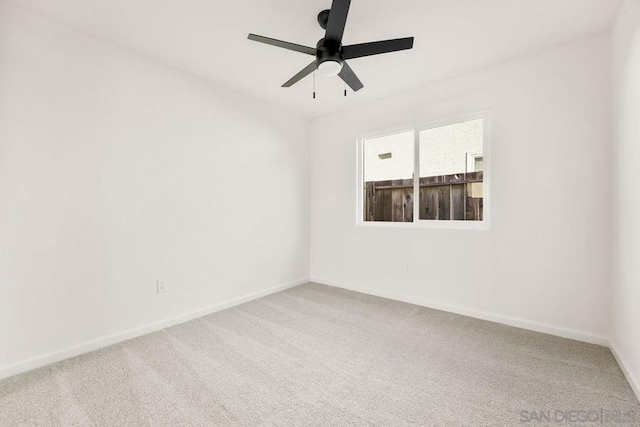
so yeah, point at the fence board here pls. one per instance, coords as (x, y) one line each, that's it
(458, 208)
(408, 205)
(440, 198)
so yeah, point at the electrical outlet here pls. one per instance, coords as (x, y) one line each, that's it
(406, 268)
(162, 286)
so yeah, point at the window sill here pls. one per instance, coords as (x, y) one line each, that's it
(426, 224)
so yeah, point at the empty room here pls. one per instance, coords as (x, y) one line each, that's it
(319, 213)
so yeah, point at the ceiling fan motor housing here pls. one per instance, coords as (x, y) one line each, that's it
(329, 50)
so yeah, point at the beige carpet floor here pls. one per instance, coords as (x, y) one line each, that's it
(320, 356)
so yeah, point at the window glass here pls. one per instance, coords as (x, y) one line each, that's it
(452, 172)
(388, 177)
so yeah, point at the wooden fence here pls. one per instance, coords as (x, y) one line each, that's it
(442, 197)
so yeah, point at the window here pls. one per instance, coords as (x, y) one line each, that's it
(428, 175)
(388, 176)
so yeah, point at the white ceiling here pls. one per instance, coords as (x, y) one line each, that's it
(209, 38)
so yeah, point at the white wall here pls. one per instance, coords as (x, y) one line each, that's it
(115, 171)
(625, 335)
(399, 166)
(444, 150)
(545, 258)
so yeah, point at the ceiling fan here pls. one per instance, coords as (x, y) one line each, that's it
(330, 55)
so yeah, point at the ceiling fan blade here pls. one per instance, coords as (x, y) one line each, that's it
(302, 74)
(350, 78)
(376, 48)
(284, 45)
(337, 20)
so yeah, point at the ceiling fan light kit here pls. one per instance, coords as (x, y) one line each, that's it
(329, 68)
(330, 55)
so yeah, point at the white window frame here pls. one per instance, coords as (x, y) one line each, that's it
(425, 223)
(472, 157)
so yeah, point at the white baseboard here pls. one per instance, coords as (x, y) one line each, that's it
(633, 382)
(105, 341)
(506, 320)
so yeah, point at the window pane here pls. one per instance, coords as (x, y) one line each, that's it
(451, 172)
(388, 178)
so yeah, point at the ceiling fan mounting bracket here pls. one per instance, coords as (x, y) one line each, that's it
(323, 18)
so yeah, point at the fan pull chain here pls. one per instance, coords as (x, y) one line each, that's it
(314, 85)
(345, 83)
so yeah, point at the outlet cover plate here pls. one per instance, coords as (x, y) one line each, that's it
(162, 286)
